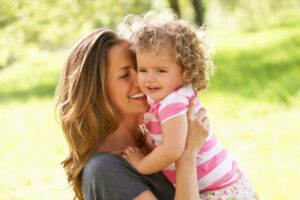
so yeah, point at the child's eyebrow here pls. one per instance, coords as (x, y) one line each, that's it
(162, 67)
(156, 67)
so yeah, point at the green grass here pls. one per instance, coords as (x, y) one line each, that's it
(31, 149)
(32, 145)
(263, 65)
(264, 139)
(35, 77)
(253, 103)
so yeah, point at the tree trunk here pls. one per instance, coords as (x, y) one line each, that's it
(175, 7)
(199, 11)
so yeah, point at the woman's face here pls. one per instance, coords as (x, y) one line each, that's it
(123, 92)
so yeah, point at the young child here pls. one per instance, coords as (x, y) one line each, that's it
(173, 63)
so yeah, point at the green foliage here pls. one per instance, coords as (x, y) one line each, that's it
(264, 65)
(32, 78)
(7, 10)
(249, 15)
(51, 24)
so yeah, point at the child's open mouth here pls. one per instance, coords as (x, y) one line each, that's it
(153, 89)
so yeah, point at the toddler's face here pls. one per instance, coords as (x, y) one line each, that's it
(158, 73)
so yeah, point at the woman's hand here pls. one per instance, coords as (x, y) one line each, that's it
(186, 173)
(198, 128)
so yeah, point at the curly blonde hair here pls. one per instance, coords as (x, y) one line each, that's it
(156, 32)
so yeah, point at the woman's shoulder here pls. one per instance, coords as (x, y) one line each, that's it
(108, 176)
(105, 167)
(104, 161)
(111, 177)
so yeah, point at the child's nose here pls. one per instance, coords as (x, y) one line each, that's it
(150, 77)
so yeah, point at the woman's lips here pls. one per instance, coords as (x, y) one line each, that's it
(139, 96)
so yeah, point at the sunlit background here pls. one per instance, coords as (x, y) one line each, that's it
(253, 99)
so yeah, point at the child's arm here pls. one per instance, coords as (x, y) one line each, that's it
(174, 132)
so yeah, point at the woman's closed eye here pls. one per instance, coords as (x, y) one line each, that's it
(124, 75)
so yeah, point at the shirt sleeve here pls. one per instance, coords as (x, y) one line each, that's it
(173, 106)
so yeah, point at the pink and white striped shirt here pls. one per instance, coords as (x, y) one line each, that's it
(216, 169)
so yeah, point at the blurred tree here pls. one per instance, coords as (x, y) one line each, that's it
(197, 7)
(230, 5)
(199, 11)
(50, 24)
(53, 24)
(175, 7)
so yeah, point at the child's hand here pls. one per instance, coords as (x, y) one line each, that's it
(133, 155)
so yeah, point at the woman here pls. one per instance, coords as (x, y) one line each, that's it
(100, 108)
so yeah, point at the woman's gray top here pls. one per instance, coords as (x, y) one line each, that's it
(107, 176)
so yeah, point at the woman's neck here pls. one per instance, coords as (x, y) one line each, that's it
(125, 135)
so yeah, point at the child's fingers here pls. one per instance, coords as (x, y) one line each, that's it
(125, 156)
(135, 149)
(128, 150)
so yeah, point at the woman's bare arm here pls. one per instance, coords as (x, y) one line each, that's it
(186, 173)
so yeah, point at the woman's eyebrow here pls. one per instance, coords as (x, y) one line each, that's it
(124, 68)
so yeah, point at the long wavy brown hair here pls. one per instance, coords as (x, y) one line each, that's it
(85, 114)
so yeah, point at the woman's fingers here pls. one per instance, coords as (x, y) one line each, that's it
(191, 109)
(206, 125)
(201, 120)
(192, 115)
(201, 114)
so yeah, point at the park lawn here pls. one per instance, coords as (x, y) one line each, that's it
(262, 136)
(264, 139)
(31, 150)
(252, 101)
